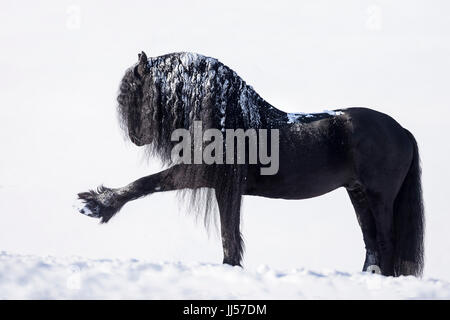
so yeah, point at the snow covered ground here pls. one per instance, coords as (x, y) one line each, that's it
(33, 277)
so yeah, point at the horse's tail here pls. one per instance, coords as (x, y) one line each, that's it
(409, 220)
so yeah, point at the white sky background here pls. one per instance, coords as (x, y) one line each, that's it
(60, 66)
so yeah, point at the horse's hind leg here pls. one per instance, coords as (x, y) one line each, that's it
(383, 213)
(368, 227)
(230, 208)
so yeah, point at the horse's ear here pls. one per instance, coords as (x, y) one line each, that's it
(142, 68)
(142, 57)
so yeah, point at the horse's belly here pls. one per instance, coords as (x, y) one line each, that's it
(308, 176)
(296, 187)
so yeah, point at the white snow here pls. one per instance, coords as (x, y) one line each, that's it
(293, 117)
(334, 113)
(33, 277)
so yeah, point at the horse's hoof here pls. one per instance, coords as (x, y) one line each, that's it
(88, 208)
(373, 269)
(100, 204)
(87, 212)
(90, 212)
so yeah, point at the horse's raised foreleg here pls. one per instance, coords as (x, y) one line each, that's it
(368, 228)
(230, 208)
(104, 202)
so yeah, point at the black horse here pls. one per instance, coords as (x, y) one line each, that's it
(363, 150)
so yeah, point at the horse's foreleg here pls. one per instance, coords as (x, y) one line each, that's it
(104, 202)
(230, 208)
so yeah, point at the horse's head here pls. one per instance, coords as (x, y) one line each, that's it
(130, 101)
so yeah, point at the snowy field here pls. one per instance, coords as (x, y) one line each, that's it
(31, 277)
(60, 66)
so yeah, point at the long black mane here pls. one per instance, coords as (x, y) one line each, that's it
(183, 87)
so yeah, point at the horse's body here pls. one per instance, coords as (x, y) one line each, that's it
(314, 162)
(363, 150)
(311, 164)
